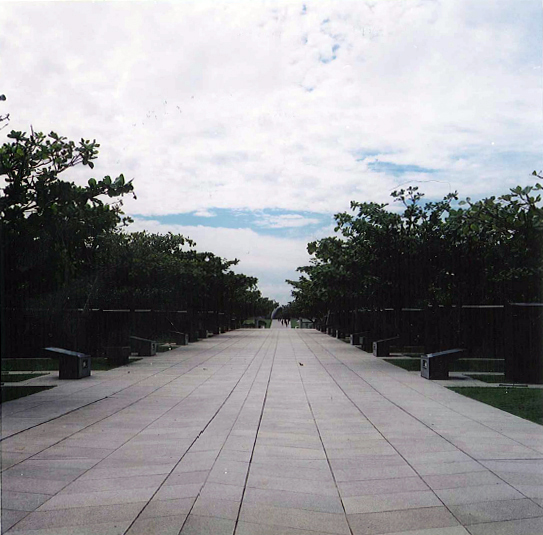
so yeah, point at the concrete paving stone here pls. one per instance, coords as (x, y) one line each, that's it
(205, 506)
(173, 492)
(236, 455)
(482, 493)
(27, 484)
(135, 461)
(390, 502)
(314, 464)
(206, 525)
(62, 463)
(228, 477)
(222, 492)
(197, 461)
(347, 464)
(461, 467)
(25, 469)
(452, 481)
(457, 530)
(436, 457)
(74, 452)
(307, 486)
(186, 478)
(10, 459)
(120, 484)
(10, 517)
(115, 473)
(22, 501)
(381, 448)
(279, 470)
(381, 472)
(374, 487)
(295, 500)
(531, 491)
(288, 452)
(515, 466)
(294, 518)
(79, 516)
(163, 525)
(105, 528)
(525, 526)
(95, 499)
(249, 528)
(174, 507)
(401, 521)
(495, 511)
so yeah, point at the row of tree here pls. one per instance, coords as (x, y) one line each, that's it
(427, 253)
(67, 246)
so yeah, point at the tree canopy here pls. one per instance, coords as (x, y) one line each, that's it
(66, 245)
(444, 252)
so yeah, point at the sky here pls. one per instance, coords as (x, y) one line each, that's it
(247, 125)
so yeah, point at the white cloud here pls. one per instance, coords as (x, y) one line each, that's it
(285, 221)
(204, 213)
(207, 105)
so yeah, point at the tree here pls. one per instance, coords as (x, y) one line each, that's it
(51, 228)
(436, 253)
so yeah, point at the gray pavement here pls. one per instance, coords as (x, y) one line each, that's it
(266, 432)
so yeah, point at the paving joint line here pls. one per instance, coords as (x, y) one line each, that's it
(105, 397)
(195, 440)
(426, 425)
(376, 428)
(109, 415)
(256, 435)
(319, 433)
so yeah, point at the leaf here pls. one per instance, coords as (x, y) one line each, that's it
(92, 182)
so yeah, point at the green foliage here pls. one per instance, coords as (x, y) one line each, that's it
(437, 253)
(51, 227)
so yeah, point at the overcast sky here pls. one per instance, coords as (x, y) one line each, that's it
(247, 125)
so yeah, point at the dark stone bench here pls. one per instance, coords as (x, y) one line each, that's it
(381, 348)
(357, 339)
(181, 339)
(143, 346)
(437, 365)
(118, 355)
(71, 364)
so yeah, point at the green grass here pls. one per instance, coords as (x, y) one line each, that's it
(488, 378)
(14, 392)
(460, 365)
(39, 365)
(7, 377)
(524, 402)
(411, 365)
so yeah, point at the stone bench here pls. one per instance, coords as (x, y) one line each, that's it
(118, 355)
(358, 339)
(181, 339)
(71, 364)
(381, 348)
(437, 365)
(143, 346)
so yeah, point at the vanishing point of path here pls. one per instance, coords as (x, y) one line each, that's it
(266, 432)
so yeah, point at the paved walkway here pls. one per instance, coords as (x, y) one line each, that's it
(266, 432)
